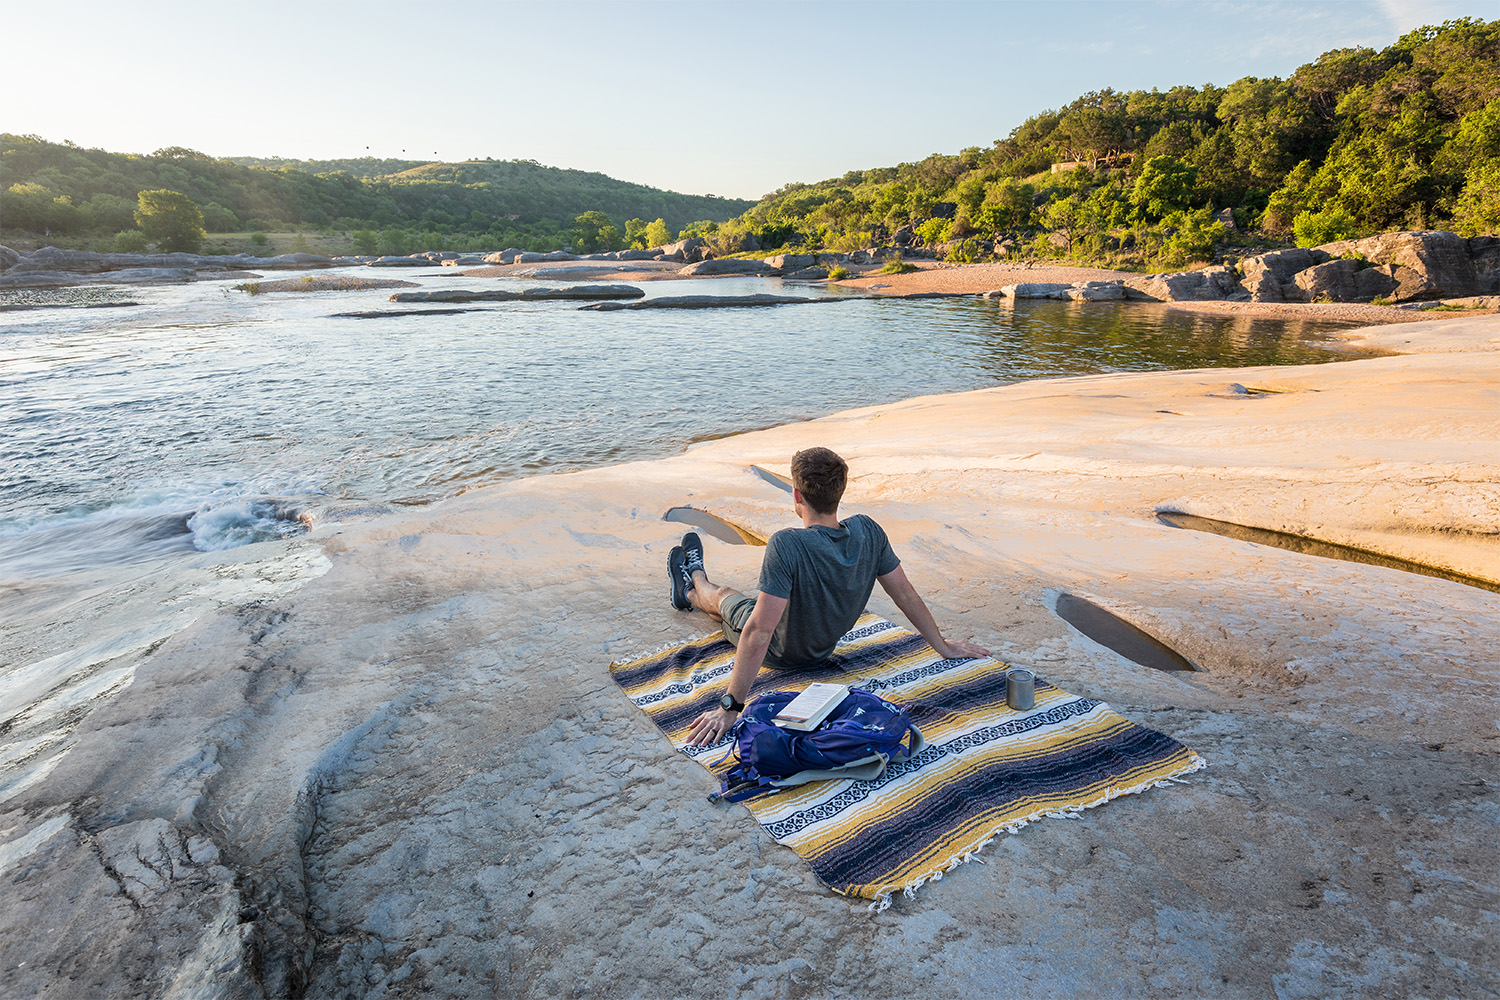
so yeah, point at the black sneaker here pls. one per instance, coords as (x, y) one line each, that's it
(682, 580)
(692, 553)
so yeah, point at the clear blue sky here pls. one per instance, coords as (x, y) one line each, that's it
(730, 97)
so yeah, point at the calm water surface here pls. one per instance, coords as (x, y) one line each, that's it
(203, 417)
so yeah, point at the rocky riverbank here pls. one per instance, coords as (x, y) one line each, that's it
(395, 764)
(1412, 270)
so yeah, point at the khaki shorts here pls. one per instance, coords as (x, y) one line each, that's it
(736, 610)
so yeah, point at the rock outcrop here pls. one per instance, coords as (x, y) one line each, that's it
(1078, 291)
(1430, 265)
(688, 251)
(1184, 286)
(720, 302)
(1402, 267)
(527, 294)
(791, 261)
(728, 265)
(87, 262)
(556, 256)
(1096, 291)
(400, 262)
(125, 276)
(1034, 290)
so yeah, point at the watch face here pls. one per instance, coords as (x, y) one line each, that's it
(728, 704)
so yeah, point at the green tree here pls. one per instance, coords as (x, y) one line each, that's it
(395, 242)
(218, 219)
(1316, 228)
(594, 232)
(170, 219)
(704, 228)
(1007, 204)
(366, 242)
(1192, 238)
(635, 233)
(111, 212)
(26, 206)
(1164, 186)
(130, 241)
(657, 234)
(1477, 211)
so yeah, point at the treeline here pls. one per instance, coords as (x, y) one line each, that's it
(1358, 141)
(48, 187)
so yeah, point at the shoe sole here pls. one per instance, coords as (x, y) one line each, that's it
(676, 563)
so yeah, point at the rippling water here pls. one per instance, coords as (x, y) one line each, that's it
(202, 418)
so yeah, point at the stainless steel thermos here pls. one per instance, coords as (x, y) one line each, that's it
(1020, 688)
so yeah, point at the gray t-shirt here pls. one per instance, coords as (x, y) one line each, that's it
(826, 574)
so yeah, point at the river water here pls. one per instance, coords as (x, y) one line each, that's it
(162, 460)
(203, 417)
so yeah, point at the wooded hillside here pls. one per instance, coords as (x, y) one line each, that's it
(1358, 141)
(63, 188)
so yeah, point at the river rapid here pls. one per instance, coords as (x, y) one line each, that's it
(164, 459)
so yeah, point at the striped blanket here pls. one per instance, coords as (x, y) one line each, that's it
(986, 769)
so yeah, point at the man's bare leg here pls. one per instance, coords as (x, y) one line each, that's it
(707, 596)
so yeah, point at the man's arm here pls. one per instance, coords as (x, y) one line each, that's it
(914, 608)
(755, 639)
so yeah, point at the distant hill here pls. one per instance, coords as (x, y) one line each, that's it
(63, 188)
(364, 167)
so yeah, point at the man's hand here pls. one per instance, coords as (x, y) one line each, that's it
(711, 726)
(962, 651)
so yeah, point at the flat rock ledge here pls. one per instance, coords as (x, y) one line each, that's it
(51, 267)
(1078, 291)
(721, 302)
(524, 294)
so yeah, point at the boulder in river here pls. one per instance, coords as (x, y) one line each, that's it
(791, 261)
(728, 265)
(8, 258)
(544, 258)
(400, 262)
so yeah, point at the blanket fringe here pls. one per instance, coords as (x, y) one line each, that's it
(882, 899)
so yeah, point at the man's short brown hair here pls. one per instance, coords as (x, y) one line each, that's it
(820, 476)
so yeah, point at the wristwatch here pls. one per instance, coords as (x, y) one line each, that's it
(728, 704)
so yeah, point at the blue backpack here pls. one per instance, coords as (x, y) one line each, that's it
(857, 740)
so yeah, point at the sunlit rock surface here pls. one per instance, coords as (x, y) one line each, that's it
(404, 770)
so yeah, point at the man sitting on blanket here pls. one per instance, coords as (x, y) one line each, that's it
(814, 583)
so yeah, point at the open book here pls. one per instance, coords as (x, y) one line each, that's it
(811, 707)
